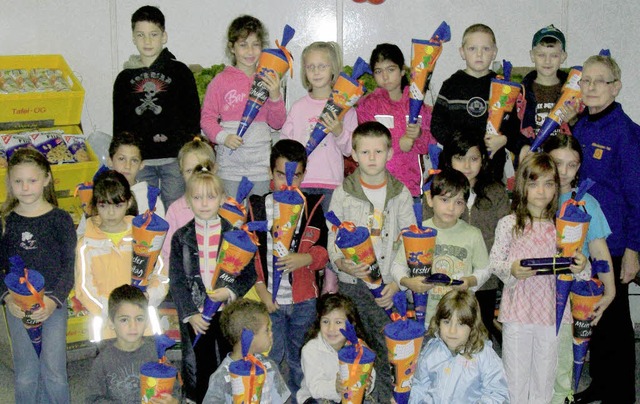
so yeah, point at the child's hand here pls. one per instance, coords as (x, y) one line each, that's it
(43, 313)
(357, 270)
(273, 85)
(331, 121)
(413, 131)
(233, 141)
(601, 306)
(519, 272)
(406, 143)
(198, 324)
(416, 284)
(13, 308)
(580, 261)
(164, 398)
(386, 300)
(293, 261)
(272, 306)
(220, 295)
(494, 143)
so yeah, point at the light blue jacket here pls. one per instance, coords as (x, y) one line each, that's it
(447, 379)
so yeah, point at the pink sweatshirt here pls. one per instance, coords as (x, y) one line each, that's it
(222, 110)
(178, 214)
(325, 167)
(404, 166)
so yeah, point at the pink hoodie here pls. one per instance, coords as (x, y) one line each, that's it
(406, 167)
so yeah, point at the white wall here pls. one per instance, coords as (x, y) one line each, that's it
(95, 35)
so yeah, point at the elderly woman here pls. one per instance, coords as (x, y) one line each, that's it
(611, 154)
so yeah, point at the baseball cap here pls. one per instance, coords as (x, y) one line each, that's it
(548, 32)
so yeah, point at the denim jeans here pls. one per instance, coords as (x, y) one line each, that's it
(44, 379)
(328, 193)
(167, 178)
(289, 324)
(259, 188)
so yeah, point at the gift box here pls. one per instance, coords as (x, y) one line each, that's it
(548, 266)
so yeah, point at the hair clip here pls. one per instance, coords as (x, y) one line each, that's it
(204, 169)
(197, 139)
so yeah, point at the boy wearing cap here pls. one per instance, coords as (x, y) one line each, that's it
(543, 86)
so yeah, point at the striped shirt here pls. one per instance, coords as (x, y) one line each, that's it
(208, 237)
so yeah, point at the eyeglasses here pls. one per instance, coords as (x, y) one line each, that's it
(320, 68)
(597, 83)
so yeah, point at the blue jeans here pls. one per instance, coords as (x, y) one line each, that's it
(44, 379)
(328, 193)
(259, 188)
(289, 324)
(167, 178)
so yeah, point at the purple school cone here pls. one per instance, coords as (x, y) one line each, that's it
(355, 244)
(291, 202)
(233, 210)
(424, 55)
(571, 94)
(275, 61)
(563, 287)
(580, 348)
(27, 288)
(403, 338)
(344, 95)
(237, 249)
(149, 231)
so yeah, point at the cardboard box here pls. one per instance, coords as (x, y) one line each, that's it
(65, 176)
(43, 109)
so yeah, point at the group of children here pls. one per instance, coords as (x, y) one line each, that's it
(481, 235)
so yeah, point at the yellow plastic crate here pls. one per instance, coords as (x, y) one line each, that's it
(65, 176)
(41, 109)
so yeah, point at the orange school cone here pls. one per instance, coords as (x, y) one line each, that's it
(355, 366)
(247, 374)
(502, 98)
(158, 378)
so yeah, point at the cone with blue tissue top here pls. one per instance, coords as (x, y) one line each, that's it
(237, 249)
(158, 378)
(419, 248)
(404, 340)
(355, 244)
(290, 203)
(572, 222)
(272, 61)
(26, 286)
(355, 366)
(149, 231)
(346, 92)
(424, 55)
(247, 374)
(232, 209)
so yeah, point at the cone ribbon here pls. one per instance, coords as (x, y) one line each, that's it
(572, 225)
(502, 98)
(149, 231)
(275, 61)
(286, 215)
(344, 95)
(584, 296)
(404, 340)
(247, 374)
(236, 251)
(355, 366)
(27, 289)
(424, 55)
(419, 248)
(571, 95)
(158, 378)
(355, 244)
(233, 210)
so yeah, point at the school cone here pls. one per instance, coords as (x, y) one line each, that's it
(419, 248)
(237, 249)
(26, 286)
(355, 366)
(291, 203)
(247, 374)
(346, 93)
(149, 231)
(424, 55)
(232, 210)
(355, 244)
(272, 61)
(502, 98)
(571, 95)
(158, 378)
(403, 338)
